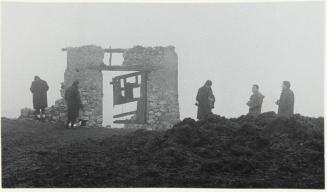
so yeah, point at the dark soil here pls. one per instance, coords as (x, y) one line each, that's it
(244, 152)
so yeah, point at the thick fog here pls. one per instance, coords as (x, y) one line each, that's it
(235, 45)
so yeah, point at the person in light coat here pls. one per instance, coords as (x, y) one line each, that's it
(255, 101)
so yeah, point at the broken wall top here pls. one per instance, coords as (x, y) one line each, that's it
(82, 57)
(78, 61)
(149, 56)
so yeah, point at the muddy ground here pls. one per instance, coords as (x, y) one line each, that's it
(244, 152)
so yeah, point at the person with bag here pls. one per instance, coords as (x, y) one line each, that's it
(205, 100)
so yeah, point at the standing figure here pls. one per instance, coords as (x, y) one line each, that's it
(255, 101)
(286, 101)
(74, 103)
(39, 89)
(205, 100)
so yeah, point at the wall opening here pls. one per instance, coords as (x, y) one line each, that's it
(158, 109)
(109, 110)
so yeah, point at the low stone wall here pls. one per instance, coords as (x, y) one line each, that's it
(58, 111)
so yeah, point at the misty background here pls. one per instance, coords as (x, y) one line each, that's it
(235, 45)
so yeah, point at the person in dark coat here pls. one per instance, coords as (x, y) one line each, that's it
(74, 103)
(205, 100)
(255, 101)
(39, 90)
(286, 101)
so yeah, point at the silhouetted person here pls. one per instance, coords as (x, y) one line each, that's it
(205, 100)
(74, 103)
(255, 101)
(39, 89)
(286, 101)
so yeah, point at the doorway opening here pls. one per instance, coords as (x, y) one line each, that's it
(122, 93)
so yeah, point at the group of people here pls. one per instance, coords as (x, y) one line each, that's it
(39, 90)
(205, 101)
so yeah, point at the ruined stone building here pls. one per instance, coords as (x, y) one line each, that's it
(158, 69)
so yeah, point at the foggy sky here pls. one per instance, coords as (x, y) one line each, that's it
(235, 45)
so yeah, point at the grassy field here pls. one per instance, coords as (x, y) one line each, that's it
(245, 152)
(25, 141)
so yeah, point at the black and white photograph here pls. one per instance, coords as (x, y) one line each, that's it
(205, 95)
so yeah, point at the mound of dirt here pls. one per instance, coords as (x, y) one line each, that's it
(245, 152)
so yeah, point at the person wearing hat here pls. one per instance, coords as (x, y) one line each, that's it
(74, 103)
(205, 100)
(39, 90)
(286, 101)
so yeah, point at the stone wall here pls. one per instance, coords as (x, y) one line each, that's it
(162, 84)
(90, 83)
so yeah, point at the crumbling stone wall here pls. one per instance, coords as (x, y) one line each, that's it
(162, 84)
(90, 83)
